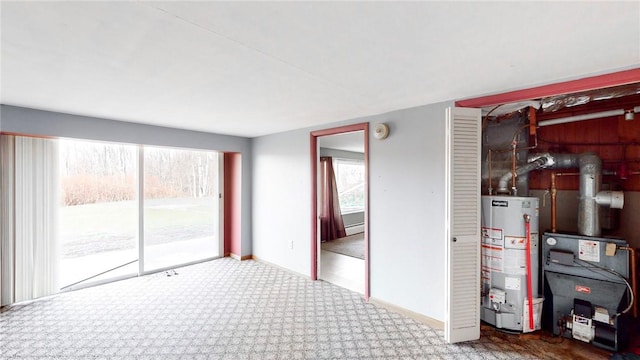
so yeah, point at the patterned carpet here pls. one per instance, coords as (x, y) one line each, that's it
(226, 309)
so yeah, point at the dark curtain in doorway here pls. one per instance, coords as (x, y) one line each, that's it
(331, 224)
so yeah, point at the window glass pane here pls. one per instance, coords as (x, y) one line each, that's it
(180, 206)
(98, 211)
(350, 181)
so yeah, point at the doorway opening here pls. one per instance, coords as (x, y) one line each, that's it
(339, 239)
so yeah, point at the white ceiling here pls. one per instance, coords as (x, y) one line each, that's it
(254, 68)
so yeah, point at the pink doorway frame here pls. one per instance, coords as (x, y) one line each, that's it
(313, 157)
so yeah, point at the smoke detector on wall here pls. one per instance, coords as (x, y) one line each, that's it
(381, 131)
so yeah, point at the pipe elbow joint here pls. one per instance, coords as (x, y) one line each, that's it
(503, 184)
(590, 159)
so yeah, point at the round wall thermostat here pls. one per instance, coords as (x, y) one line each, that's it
(381, 131)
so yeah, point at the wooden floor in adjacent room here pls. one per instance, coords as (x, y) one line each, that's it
(344, 271)
(547, 346)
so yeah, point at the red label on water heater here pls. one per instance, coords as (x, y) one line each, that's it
(583, 289)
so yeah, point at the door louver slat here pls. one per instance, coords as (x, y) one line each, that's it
(464, 211)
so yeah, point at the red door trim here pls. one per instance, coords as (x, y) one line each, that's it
(313, 158)
(232, 204)
(566, 87)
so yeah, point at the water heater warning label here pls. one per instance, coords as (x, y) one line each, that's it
(515, 242)
(491, 236)
(589, 250)
(492, 250)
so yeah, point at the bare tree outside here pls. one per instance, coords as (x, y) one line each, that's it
(99, 207)
(180, 204)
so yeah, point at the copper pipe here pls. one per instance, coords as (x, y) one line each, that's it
(554, 198)
(510, 148)
(532, 131)
(533, 122)
(514, 148)
(486, 117)
(634, 280)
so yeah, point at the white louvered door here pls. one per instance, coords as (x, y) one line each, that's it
(462, 322)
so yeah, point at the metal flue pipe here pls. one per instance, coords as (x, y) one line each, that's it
(503, 184)
(590, 181)
(590, 197)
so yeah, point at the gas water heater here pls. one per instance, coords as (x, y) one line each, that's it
(509, 248)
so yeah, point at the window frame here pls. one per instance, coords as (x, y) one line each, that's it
(360, 162)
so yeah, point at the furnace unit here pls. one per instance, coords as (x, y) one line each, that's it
(586, 294)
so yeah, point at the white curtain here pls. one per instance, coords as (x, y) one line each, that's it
(29, 242)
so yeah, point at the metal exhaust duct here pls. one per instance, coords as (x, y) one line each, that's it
(590, 181)
(590, 197)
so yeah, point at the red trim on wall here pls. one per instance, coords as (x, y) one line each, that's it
(340, 130)
(232, 204)
(566, 87)
(366, 212)
(313, 158)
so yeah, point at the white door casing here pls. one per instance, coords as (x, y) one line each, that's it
(462, 314)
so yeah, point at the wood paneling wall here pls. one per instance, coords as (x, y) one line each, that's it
(614, 139)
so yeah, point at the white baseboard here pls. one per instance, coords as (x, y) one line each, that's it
(241, 258)
(254, 258)
(408, 313)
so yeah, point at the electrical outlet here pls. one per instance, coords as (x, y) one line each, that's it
(290, 244)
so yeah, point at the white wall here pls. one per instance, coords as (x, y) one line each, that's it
(281, 206)
(407, 219)
(407, 213)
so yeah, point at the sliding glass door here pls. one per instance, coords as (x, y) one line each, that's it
(78, 212)
(110, 192)
(181, 206)
(98, 213)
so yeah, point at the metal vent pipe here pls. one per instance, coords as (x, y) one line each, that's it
(539, 163)
(534, 162)
(590, 181)
(590, 197)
